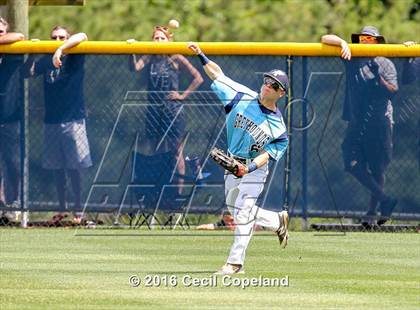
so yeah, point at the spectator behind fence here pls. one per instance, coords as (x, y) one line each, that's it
(411, 73)
(66, 148)
(11, 99)
(411, 69)
(165, 119)
(367, 146)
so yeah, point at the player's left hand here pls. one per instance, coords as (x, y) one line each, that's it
(240, 170)
(57, 58)
(229, 163)
(173, 95)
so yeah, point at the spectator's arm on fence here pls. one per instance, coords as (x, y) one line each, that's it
(332, 39)
(11, 37)
(69, 43)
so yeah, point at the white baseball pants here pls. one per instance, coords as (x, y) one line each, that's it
(241, 196)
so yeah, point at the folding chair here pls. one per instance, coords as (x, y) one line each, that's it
(179, 204)
(174, 205)
(154, 187)
(149, 175)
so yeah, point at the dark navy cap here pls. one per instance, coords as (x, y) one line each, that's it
(280, 77)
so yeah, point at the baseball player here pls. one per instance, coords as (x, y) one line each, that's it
(255, 134)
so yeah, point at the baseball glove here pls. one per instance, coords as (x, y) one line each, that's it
(228, 162)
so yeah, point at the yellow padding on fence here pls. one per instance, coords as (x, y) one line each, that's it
(211, 48)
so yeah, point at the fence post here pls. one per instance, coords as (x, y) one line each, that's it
(289, 115)
(304, 146)
(17, 12)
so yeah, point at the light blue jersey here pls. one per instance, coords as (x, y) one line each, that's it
(251, 127)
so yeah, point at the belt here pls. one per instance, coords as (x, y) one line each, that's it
(244, 161)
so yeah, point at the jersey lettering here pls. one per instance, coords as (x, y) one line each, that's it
(259, 136)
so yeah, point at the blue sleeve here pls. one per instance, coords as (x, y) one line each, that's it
(227, 89)
(223, 89)
(277, 147)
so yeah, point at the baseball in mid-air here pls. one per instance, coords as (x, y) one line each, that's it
(173, 23)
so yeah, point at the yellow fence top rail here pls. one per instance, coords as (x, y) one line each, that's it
(212, 48)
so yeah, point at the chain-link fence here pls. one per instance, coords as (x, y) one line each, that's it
(120, 147)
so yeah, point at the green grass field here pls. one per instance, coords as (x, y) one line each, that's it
(60, 269)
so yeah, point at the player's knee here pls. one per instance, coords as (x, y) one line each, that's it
(241, 217)
(231, 197)
(244, 211)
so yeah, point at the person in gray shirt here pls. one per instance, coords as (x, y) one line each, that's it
(367, 145)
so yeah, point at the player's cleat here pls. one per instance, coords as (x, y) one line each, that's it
(386, 207)
(229, 269)
(283, 232)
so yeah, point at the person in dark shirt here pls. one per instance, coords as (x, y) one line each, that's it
(367, 146)
(165, 120)
(66, 147)
(11, 98)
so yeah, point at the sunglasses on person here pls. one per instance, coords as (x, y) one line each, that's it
(162, 28)
(367, 38)
(272, 83)
(58, 37)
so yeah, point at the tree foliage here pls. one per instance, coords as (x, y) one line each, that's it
(234, 20)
